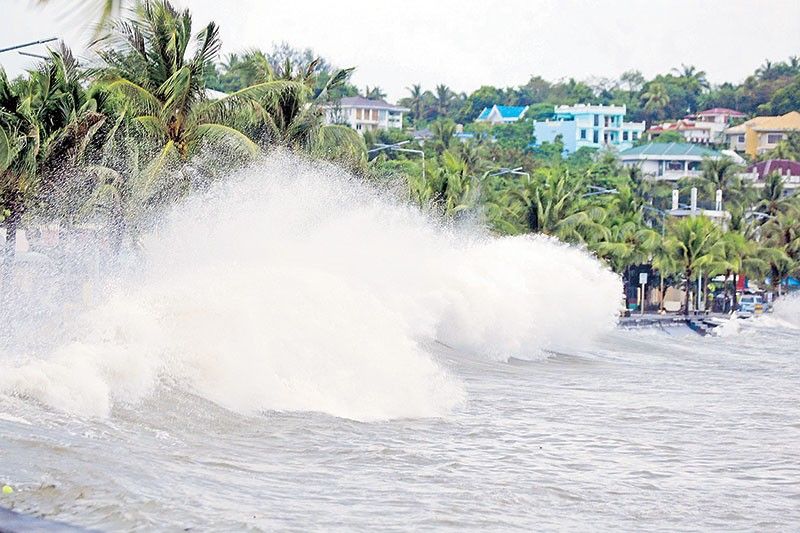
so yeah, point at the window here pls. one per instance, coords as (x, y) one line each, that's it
(358, 126)
(774, 138)
(624, 135)
(597, 121)
(375, 114)
(596, 136)
(358, 114)
(583, 134)
(634, 135)
(741, 138)
(674, 165)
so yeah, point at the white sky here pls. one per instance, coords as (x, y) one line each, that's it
(469, 43)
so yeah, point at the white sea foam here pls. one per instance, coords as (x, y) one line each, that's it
(299, 288)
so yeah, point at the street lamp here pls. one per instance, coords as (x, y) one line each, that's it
(502, 171)
(396, 147)
(25, 45)
(597, 191)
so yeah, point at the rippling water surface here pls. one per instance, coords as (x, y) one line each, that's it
(645, 431)
(270, 364)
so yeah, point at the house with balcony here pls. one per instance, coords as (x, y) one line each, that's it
(705, 133)
(586, 125)
(363, 114)
(668, 161)
(501, 114)
(761, 134)
(717, 115)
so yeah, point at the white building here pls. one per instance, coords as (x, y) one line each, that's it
(668, 161)
(363, 114)
(706, 127)
(592, 126)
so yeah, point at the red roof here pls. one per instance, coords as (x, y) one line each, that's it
(785, 167)
(721, 111)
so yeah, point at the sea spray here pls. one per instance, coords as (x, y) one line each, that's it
(297, 287)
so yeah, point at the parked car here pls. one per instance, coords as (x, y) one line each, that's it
(751, 304)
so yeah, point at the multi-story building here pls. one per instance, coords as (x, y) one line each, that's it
(363, 114)
(501, 114)
(692, 131)
(668, 161)
(717, 115)
(586, 125)
(706, 127)
(761, 134)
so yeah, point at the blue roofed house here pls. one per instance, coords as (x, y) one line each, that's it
(586, 125)
(501, 114)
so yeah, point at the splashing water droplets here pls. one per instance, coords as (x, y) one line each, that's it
(295, 287)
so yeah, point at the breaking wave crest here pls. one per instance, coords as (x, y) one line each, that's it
(297, 287)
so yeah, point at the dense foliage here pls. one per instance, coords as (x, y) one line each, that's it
(112, 144)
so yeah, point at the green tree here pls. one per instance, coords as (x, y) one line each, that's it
(692, 243)
(656, 99)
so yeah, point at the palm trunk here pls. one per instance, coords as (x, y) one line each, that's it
(688, 275)
(735, 283)
(776, 282)
(661, 292)
(727, 292)
(9, 256)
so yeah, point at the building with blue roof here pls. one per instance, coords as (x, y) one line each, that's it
(586, 125)
(501, 114)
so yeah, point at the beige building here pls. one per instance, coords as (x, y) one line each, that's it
(760, 134)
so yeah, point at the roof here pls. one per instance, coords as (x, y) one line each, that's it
(782, 166)
(676, 150)
(506, 111)
(509, 111)
(721, 111)
(789, 121)
(360, 101)
(422, 134)
(680, 125)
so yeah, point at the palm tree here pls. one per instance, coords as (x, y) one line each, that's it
(772, 200)
(766, 70)
(102, 12)
(690, 72)
(451, 188)
(443, 131)
(163, 90)
(374, 93)
(692, 243)
(46, 122)
(723, 175)
(443, 98)
(736, 254)
(553, 204)
(416, 100)
(656, 99)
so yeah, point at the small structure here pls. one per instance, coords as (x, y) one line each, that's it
(760, 134)
(789, 170)
(668, 161)
(718, 214)
(586, 125)
(501, 114)
(363, 114)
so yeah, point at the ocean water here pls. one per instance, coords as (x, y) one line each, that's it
(298, 351)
